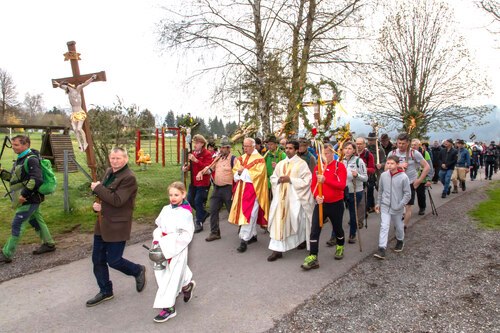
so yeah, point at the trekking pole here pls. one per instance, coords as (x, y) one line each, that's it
(433, 206)
(356, 214)
(7, 139)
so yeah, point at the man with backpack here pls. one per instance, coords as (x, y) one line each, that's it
(25, 181)
(222, 171)
(410, 160)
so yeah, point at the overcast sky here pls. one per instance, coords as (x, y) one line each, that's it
(118, 37)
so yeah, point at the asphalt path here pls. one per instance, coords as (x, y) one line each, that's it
(236, 292)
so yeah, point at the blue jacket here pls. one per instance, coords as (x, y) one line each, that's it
(463, 159)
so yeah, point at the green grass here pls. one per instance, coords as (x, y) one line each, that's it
(488, 211)
(151, 196)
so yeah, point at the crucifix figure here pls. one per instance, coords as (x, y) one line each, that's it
(74, 87)
(78, 115)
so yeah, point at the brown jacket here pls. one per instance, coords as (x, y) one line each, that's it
(117, 204)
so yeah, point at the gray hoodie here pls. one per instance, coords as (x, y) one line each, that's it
(355, 163)
(393, 192)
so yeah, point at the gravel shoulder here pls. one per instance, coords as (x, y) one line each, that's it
(447, 279)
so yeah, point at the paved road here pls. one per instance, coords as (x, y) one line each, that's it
(235, 293)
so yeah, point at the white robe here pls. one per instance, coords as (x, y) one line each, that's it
(177, 224)
(292, 207)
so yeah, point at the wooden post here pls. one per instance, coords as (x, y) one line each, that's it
(156, 141)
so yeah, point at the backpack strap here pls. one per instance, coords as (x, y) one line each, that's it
(232, 160)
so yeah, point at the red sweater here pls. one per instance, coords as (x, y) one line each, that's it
(204, 158)
(335, 182)
(369, 160)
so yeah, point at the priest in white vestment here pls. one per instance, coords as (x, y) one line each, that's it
(292, 205)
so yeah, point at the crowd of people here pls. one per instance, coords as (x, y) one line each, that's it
(289, 188)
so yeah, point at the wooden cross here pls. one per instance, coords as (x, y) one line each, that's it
(77, 79)
(317, 106)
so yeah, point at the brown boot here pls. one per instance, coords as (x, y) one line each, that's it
(213, 236)
(455, 189)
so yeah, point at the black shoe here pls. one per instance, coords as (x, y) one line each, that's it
(443, 195)
(455, 189)
(352, 240)
(187, 291)
(99, 298)
(213, 236)
(463, 186)
(5, 259)
(449, 191)
(331, 242)
(44, 248)
(252, 240)
(275, 256)
(140, 281)
(421, 212)
(243, 247)
(399, 246)
(198, 227)
(380, 253)
(302, 245)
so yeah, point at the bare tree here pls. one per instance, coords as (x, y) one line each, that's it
(423, 76)
(33, 105)
(8, 92)
(320, 39)
(238, 30)
(492, 7)
(299, 32)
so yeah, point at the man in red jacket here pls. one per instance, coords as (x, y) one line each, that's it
(369, 160)
(197, 196)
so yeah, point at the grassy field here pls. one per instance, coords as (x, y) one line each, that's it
(488, 212)
(151, 197)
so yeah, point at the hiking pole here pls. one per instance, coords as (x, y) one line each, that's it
(5, 140)
(356, 213)
(433, 206)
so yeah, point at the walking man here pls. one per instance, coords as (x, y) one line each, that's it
(25, 179)
(447, 161)
(293, 204)
(250, 201)
(197, 196)
(410, 160)
(117, 194)
(222, 171)
(462, 166)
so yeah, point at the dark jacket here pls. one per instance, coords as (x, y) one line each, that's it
(26, 183)
(448, 157)
(117, 193)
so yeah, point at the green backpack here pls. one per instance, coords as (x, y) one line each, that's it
(49, 178)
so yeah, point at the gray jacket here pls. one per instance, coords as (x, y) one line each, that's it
(393, 192)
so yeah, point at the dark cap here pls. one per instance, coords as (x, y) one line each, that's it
(384, 136)
(224, 142)
(372, 136)
(450, 140)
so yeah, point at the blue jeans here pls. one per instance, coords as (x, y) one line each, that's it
(352, 211)
(197, 197)
(110, 253)
(445, 178)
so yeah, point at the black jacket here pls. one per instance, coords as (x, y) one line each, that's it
(448, 157)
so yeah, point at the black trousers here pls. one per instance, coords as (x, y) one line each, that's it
(420, 191)
(489, 168)
(221, 195)
(335, 212)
